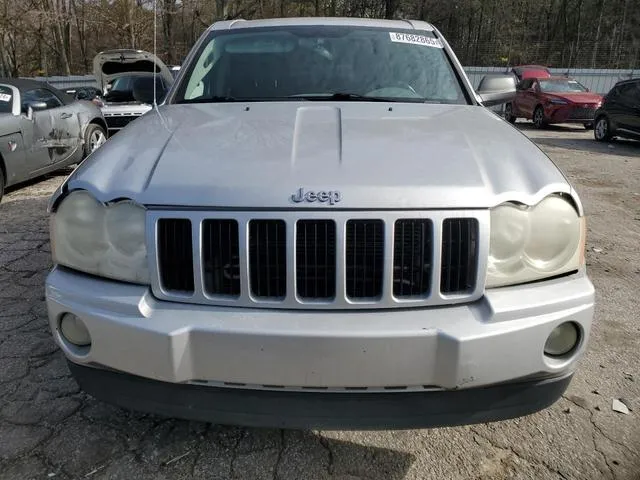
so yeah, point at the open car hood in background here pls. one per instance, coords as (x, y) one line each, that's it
(111, 64)
(531, 71)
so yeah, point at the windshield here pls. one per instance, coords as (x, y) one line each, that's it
(6, 99)
(561, 86)
(121, 89)
(123, 84)
(321, 62)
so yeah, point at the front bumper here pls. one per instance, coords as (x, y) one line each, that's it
(497, 339)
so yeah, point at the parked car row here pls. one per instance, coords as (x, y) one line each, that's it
(546, 99)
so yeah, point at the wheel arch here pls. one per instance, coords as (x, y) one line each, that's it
(101, 122)
(601, 115)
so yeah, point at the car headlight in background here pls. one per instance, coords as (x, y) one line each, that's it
(108, 241)
(558, 101)
(531, 243)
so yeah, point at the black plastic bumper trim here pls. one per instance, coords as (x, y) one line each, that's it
(328, 410)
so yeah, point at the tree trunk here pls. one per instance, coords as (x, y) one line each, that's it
(58, 32)
(597, 40)
(622, 33)
(478, 34)
(167, 29)
(390, 7)
(130, 27)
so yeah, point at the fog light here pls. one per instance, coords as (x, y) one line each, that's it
(74, 330)
(562, 339)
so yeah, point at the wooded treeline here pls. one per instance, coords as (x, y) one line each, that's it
(60, 37)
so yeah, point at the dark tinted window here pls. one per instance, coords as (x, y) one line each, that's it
(83, 93)
(122, 84)
(6, 99)
(630, 93)
(636, 93)
(111, 68)
(122, 88)
(525, 84)
(40, 95)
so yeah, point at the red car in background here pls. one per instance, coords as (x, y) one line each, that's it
(553, 100)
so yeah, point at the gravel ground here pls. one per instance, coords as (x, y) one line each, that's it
(49, 429)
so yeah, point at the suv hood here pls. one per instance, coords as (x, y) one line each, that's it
(111, 64)
(376, 155)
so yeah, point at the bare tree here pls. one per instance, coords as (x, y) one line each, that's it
(62, 36)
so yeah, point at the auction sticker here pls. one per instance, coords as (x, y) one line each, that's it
(5, 97)
(415, 39)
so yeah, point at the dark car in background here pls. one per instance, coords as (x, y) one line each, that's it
(619, 115)
(553, 100)
(84, 93)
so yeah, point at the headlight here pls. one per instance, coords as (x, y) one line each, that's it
(108, 241)
(558, 101)
(530, 243)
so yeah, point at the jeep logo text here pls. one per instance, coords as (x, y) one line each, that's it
(332, 197)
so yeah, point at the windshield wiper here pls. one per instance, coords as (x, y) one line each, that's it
(343, 97)
(214, 99)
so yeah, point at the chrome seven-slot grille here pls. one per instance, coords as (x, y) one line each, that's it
(306, 260)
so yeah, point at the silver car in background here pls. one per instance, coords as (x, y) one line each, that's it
(125, 77)
(42, 129)
(323, 227)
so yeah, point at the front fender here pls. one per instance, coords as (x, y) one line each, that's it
(89, 113)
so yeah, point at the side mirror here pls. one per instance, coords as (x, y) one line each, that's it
(35, 106)
(497, 89)
(30, 107)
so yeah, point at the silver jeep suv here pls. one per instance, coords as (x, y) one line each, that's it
(325, 228)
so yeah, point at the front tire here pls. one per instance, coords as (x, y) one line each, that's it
(508, 114)
(94, 137)
(602, 129)
(538, 118)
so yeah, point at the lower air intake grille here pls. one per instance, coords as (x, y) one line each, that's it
(175, 254)
(412, 257)
(316, 259)
(221, 257)
(364, 261)
(117, 122)
(267, 258)
(459, 255)
(583, 113)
